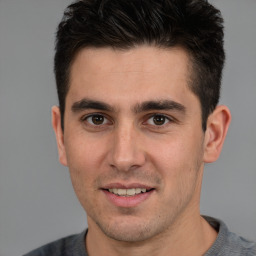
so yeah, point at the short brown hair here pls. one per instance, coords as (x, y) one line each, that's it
(195, 25)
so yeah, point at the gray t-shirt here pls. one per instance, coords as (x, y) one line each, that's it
(227, 243)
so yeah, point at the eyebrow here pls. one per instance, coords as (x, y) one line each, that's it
(90, 104)
(140, 107)
(159, 105)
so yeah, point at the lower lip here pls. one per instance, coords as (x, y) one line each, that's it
(127, 201)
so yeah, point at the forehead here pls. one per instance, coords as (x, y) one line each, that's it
(139, 73)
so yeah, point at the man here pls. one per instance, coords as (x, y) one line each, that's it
(138, 84)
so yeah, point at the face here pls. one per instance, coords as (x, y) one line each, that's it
(133, 140)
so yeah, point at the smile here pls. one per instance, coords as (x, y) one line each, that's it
(128, 195)
(127, 192)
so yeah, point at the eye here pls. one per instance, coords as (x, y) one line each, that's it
(158, 120)
(96, 119)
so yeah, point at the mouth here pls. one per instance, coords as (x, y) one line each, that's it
(128, 192)
(127, 196)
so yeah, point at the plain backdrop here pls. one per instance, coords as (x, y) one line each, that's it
(37, 202)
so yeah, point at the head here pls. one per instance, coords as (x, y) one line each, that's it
(137, 81)
(194, 25)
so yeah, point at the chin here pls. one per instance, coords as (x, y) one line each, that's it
(130, 235)
(131, 231)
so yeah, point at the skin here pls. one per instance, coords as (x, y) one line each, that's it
(112, 135)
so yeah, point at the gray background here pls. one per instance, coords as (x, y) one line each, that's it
(37, 203)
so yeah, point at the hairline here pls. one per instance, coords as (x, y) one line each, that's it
(192, 67)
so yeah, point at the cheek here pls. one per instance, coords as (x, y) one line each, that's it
(84, 151)
(85, 158)
(84, 163)
(171, 153)
(179, 165)
(177, 158)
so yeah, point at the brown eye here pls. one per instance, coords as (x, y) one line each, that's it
(159, 120)
(96, 119)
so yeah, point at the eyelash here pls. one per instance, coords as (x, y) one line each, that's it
(86, 117)
(167, 120)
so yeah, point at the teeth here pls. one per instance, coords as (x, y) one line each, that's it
(121, 192)
(127, 192)
(137, 190)
(130, 192)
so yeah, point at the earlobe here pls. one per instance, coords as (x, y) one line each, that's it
(215, 134)
(56, 124)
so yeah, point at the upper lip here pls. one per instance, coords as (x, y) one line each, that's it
(127, 186)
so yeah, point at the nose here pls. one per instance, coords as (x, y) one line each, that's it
(126, 152)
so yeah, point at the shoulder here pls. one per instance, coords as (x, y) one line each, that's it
(229, 243)
(241, 245)
(67, 246)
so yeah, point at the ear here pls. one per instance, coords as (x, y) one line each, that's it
(215, 134)
(56, 124)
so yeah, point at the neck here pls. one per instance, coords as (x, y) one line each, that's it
(189, 236)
